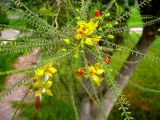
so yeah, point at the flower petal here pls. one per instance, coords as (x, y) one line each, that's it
(88, 41)
(48, 84)
(48, 73)
(100, 71)
(38, 93)
(52, 69)
(48, 92)
(97, 80)
(39, 72)
(92, 70)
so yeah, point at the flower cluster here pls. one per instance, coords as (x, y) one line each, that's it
(93, 71)
(85, 32)
(41, 80)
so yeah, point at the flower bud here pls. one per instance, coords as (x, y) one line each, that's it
(107, 14)
(110, 36)
(67, 41)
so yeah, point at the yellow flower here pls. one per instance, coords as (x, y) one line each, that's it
(45, 70)
(85, 29)
(39, 73)
(84, 32)
(91, 26)
(47, 85)
(82, 22)
(92, 70)
(99, 68)
(82, 42)
(42, 86)
(49, 70)
(97, 38)
(92, 41)
(95, 71)
(88, 41)
(97, 80)
(81, 31)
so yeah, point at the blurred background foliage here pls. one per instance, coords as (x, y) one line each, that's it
(3, 15)
(144, 105)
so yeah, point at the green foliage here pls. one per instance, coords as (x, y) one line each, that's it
(143, 89)
(57, 108)
(6, 63)
(47, 34)
(3, 16)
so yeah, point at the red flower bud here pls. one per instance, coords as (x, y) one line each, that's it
(106, 60)
(97, 14)
(38, 102)
(80, 72)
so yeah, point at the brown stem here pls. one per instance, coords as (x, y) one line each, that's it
(37, 106)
